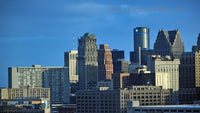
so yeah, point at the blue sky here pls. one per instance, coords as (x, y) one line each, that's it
(39, 32)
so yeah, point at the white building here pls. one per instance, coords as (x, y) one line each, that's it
(71, 62)
(166, 71)
(55, 78)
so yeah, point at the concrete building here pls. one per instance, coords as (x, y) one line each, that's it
(105, 63)
(169, 43)
(141, 41)
(162, 66)
(146, 95)
(114, 101)
(96, 101)
(134, 107)
(71, 62)
(55, 78)
(87, 61)
(24, 92)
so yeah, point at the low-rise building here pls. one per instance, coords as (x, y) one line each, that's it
(115, 101)
(25, 105)
(133, 107)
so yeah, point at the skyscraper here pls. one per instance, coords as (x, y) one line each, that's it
(141, 41)
(105, 64)
(87, 61)
(169, 43)
(198, 42)
(71, 62)
(187, 91)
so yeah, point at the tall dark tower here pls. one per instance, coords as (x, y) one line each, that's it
(141, 41)
(87, 61)
(198, 42)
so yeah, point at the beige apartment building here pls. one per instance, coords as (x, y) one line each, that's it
(24, 92)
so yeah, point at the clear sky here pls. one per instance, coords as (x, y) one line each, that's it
(40, 31)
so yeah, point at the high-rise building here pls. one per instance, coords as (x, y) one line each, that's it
(187, 91)
(87, 61)
(55, 78)
(187, 70)
(198, 42)
(169, 43)
(162, 67)
(105, 63)
(71, 62)
(141, 42)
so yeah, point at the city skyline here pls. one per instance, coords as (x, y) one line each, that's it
(39, 32)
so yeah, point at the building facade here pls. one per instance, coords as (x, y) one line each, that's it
(189, 77)
(55, 78)
(169, 43)
(71, 62)
(115, 101)
(162, 66)
(24, 92)
(105, 63)
(96, 101)
(146, 95)
(87, 61)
